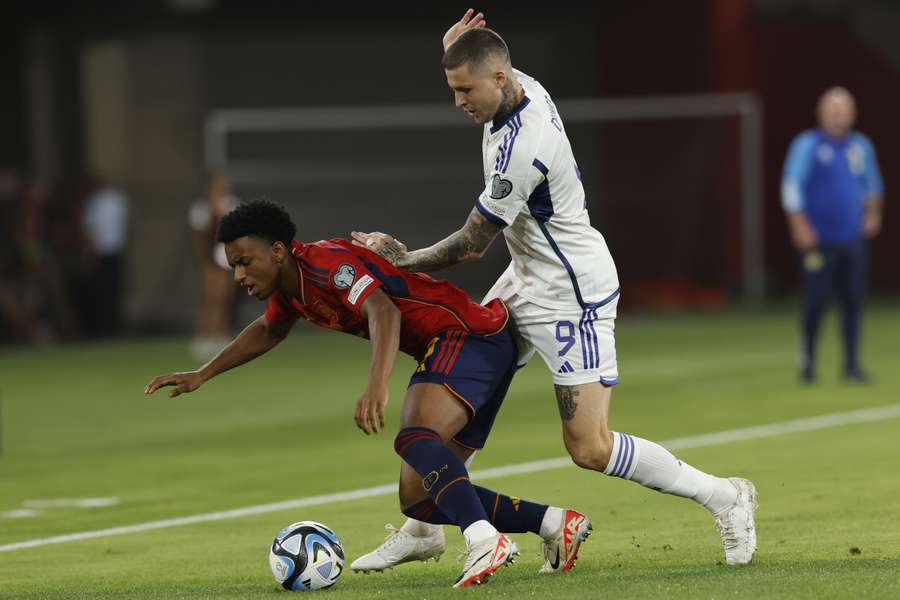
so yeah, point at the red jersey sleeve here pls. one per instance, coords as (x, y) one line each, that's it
(352, 281)
(279, 310)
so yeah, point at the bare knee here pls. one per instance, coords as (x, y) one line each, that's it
(591, 454)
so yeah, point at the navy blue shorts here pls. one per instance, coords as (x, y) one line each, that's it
(477, 370)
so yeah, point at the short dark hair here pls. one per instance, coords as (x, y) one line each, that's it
(259, 218)
(475, 47)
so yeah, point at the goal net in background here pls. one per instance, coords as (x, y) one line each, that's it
(674, 183)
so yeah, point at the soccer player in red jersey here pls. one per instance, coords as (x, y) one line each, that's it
(466, 357)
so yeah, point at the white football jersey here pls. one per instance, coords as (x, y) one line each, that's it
(533, 190)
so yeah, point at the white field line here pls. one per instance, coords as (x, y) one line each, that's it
(19, 513)
(722, 437)
(71, 502)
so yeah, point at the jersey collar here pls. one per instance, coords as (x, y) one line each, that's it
(846, 137)
(498, 125)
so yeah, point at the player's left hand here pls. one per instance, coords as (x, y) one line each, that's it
(871, 224)
(369, 414)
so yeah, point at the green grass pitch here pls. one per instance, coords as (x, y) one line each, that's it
(76, 425)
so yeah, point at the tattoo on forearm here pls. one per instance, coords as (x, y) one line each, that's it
(565, 399)
(470, 241)
(392, 251)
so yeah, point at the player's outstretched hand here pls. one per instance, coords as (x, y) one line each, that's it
(463, 25)
(182, 382)
(369, 414)
(382, 244)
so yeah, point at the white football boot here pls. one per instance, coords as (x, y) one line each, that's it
(737, 525)
(561, 549)
(400, 547)
(483, 558)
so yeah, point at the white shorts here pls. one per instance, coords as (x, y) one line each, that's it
(578, 345)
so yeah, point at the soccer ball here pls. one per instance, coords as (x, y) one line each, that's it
(306, 556)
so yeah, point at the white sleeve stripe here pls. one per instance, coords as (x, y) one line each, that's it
(791, 198)
(501, 152)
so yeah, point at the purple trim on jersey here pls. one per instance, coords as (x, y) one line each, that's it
(498, 126)
(489, 215)
(516, 127)
(609, 382)
(501, 152)
(606, 300)
(540, 167)
(596, 337)
(540, 205)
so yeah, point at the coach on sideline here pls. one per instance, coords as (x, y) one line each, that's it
(832, 193)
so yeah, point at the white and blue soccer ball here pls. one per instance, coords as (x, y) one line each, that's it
(306, 556)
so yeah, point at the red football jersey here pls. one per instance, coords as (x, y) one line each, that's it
(336, 277)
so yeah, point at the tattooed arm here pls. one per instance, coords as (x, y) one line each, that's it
(468, 243)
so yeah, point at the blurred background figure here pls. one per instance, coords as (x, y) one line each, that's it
(41, 285)
(17, 319)
(216, 308)
(832, 194)
(104, 223)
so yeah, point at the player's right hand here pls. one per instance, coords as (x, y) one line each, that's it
(805, 239)
(182, 382)
(369, 414)
(463, 25)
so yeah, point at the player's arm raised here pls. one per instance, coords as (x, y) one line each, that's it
(256, 339)
(384, 333)
(467, 22)
(468, 243)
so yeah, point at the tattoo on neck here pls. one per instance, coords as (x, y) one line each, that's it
(565, 399)
(509, 101)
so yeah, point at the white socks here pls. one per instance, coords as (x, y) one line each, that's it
(478, 532)
(552, 522)
(419, 528)
(654, 467)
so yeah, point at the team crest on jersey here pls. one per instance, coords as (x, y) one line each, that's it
(855, 159)
(344, 276)
(825, 153)
(500, 188)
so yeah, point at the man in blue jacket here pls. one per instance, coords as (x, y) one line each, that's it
(832, 194)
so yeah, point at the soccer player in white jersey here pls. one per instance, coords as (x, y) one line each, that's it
(561, 287)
